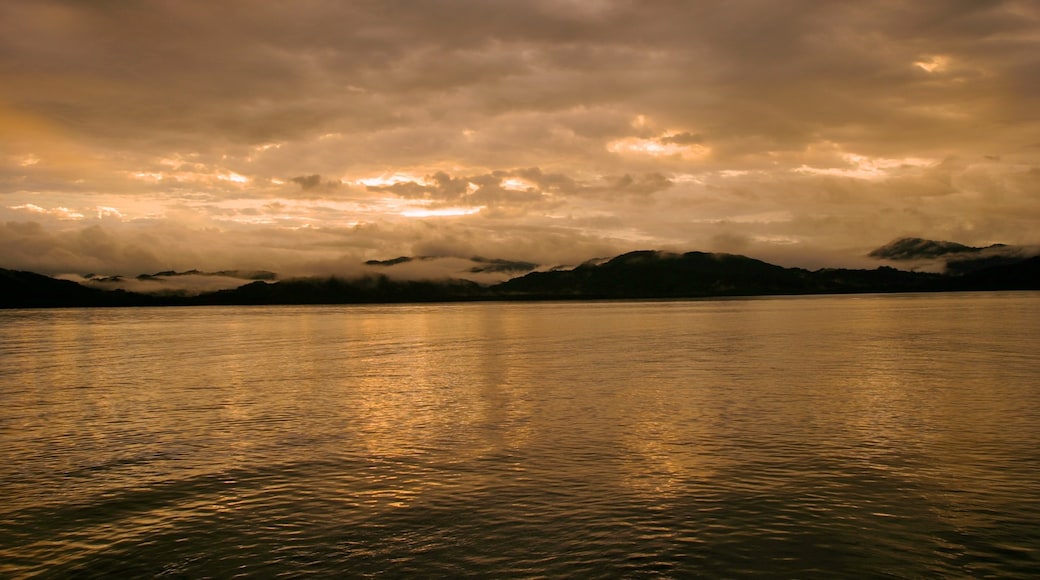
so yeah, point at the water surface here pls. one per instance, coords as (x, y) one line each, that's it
(885, 436)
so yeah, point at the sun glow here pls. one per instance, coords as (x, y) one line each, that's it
(154, 176)
(198, 176)
(933, 64)
(106, 211)
(388, 179)
(441, 212)
(62, 213)
(864, 167)
(657, 147)
(29, 207)
(28, 160)
(233, 177)
(516, 184)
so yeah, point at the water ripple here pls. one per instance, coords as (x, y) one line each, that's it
(812, 437)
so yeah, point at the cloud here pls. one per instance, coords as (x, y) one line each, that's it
(529, 187)
(314, 186)
(476, 269)
(264, 131)
(307, 181)
(684, 138)
(189, 284)
(28, 246)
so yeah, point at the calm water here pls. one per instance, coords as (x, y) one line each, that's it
(886, 436)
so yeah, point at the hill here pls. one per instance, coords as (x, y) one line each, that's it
(954, 258)
(650, 274)
(641, 274)
(332, 290)
(20, 289)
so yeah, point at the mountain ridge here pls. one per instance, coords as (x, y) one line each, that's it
(632, 275)
(954, 258)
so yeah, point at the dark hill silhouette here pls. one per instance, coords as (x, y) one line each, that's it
(651, 274)
(919, 248)
(648, 274)
(482, 264)
(20, 289)
(331, 290)
(1023, 275)
(642, 274)
(883, 279)
(958, 259)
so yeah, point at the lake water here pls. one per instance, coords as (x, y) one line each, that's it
(868, 436)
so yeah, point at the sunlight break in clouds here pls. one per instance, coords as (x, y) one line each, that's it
(552, 132)
(390, 179)
(441, 212)
(863, 167)
(657, 147)
(62, 213)
(233, 177)
(933, 64)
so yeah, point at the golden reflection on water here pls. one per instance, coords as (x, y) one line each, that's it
(123, 425)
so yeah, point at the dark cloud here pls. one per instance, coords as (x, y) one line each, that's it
(307, 181)
(241, 79)
(643, 185)
(314, 184)
(29, 246)
(520, 187)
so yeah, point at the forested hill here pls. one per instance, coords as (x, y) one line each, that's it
(642, 274)
(29, 290)
(649, 274)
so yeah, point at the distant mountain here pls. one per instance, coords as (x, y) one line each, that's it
(499, 265)
(650, 274)
(394, 261)
(480, 264)
(642, 274)
(919, 249)
(954, 258)
(29, 290)
(175, 283)
(331, 290)
(240, 274)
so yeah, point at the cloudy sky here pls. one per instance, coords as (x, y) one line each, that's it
(307, 136)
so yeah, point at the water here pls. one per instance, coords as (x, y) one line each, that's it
(875, 436)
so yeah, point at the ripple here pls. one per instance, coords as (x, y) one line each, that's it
(810, 437)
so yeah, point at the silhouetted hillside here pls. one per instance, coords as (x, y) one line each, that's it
(369, 289)
(918, 248)
(883, 279)
(481, 264)
(648, 274)
(30, 290)
(242, 274)
(955, 258)
(1022, 275)
(643, 274)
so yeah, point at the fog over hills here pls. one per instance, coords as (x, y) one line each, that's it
(170, 282)
(308, 138)
(950, 257)
(639, 274)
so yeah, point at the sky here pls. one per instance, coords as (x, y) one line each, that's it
(306, 137)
